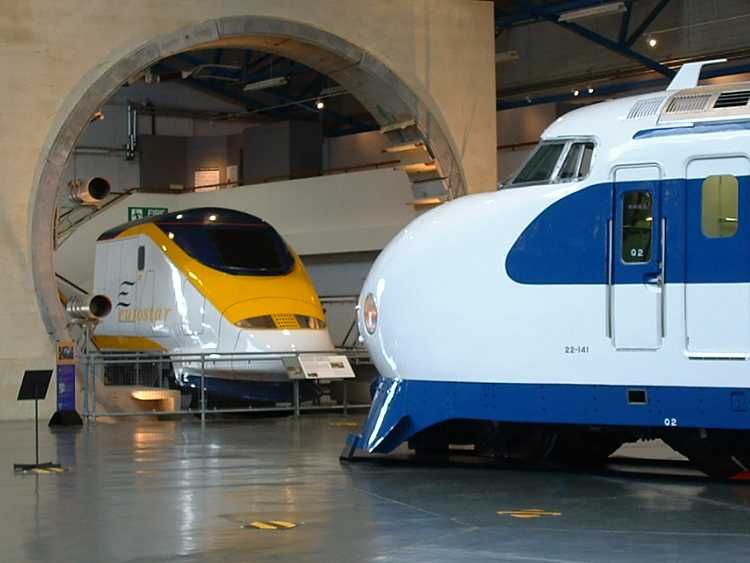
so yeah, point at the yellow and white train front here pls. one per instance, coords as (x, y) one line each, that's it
(208, 280)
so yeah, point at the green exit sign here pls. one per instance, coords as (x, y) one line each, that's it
(136, 213)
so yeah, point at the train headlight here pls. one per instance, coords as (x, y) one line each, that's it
(370, 314)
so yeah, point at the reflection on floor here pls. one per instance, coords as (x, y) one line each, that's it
(274, 490)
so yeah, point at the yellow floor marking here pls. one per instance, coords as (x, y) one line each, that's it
(263, 526)
(271, 525)
(47, 470)
(347, 424)
(283, 523)
(527, 513)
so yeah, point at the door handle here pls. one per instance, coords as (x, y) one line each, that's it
(653, 279)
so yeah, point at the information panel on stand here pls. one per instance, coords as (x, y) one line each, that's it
(321, 366)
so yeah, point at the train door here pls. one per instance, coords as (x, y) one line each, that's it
(717, 259)
(144, 318)
(636, 259)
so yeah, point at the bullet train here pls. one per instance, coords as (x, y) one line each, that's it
(213, 281)
(602, 297)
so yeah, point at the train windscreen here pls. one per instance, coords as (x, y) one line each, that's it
(241, 249)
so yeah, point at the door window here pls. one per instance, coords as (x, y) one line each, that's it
(720, 206)
(141, 258)
(637, 226)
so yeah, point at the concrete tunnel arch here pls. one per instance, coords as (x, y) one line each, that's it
(382, 92)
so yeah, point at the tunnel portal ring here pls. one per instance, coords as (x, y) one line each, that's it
(384, 94)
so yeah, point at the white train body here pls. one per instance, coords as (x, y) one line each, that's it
(176, 290)
(607, 285)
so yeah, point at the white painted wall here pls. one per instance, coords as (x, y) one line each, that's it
(344, 213)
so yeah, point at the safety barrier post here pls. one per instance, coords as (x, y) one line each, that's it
(85, 379)
(295, 397)
(93, 391)
(203, 389)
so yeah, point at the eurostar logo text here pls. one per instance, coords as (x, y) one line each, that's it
(151, 314)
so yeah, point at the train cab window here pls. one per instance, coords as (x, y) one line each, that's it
(540, 167)
(720, 206)
(235, 248)
(637, 227)
(577, 162)
(141, 258)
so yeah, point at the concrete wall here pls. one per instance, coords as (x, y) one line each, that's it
(53, 51)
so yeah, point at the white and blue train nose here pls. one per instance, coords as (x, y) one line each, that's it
(433, 296)
(435, 293)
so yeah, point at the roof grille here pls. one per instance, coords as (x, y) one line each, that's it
(688, 103)
(732, 99)
(644, 108)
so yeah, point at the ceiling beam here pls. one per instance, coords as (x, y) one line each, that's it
(614, 46)
(527, 16)
(646, 22)
(625, 22)
(618, 88)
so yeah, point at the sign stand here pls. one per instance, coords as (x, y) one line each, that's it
(34, 387)
(66, 413)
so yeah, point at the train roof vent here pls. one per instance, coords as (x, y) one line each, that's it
(645, 108)
(688, 103)
(732, 99)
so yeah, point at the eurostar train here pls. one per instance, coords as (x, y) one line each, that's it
(603, 296)
(215, 281)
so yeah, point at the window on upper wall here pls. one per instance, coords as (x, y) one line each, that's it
(637, 227)
(141, 258)
(577, 162)
(720, 206)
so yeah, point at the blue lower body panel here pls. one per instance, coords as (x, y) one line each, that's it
(402, 408)
(244, 391)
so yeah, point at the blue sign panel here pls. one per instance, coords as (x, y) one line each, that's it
(66, 387)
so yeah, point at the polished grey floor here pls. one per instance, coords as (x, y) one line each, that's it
(170, 491)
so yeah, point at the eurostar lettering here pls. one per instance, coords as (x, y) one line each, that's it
(151, 314)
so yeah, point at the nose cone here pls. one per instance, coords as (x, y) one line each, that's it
(432, 286)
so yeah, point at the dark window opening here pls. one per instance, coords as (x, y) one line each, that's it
(637, 227)
(243, 249)
(637, 397)
(577, 162)
(541, 165)
(141, 258)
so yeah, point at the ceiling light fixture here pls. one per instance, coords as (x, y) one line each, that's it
(332, 91)
(320, 104)
(576, 92)
(506, 56)
(652, 42)
(266, 84)
(590, 90)
(593, 11)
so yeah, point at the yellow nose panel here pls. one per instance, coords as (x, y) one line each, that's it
(282, 320)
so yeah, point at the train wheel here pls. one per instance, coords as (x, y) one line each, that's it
(520, 443)
(581, 447)
(718, 454)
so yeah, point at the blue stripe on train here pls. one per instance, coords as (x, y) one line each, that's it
(401, 408)
(240, 390)
(567, 243)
